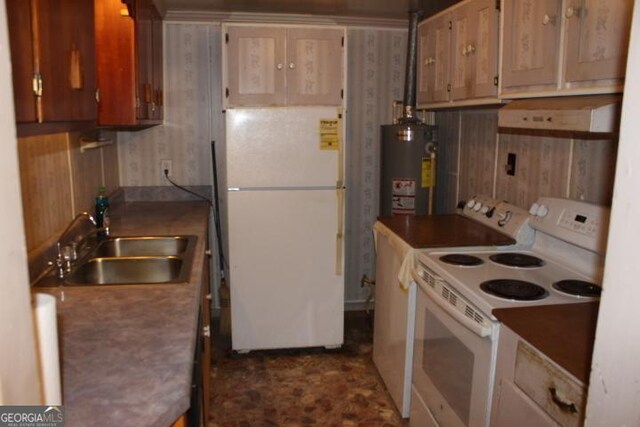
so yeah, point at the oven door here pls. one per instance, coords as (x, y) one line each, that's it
(453, 361)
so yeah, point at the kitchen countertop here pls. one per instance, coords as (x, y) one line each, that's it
(127, 350)
(450, 230)
(565, 333)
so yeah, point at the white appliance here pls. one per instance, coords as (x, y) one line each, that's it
(285, 210)
(456, 334)
(394, 322)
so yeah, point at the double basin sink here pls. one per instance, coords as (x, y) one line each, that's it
(133, 260)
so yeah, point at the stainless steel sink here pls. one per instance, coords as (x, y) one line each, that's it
(129, 261)
(143, 246)
(129, 270)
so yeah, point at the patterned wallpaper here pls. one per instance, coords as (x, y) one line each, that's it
(186, 134)
(194, 116)
(376, 67)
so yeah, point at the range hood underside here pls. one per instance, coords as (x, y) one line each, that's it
(596, 114)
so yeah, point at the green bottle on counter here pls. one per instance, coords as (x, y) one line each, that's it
(102, 211)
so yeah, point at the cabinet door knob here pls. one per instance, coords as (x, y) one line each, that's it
(429, 61)
(279, 66)
(468, 50)
(546, 20)
(292, 65)
(571, 11)
(206, 331)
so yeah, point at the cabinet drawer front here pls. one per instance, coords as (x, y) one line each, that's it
(561, 396)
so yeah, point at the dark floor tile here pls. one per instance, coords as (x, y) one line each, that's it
(302, 387)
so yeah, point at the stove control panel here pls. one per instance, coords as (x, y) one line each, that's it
(500, 216)
(582, 224)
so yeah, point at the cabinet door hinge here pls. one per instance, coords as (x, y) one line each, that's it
(449, 87)
(341, 93)
(498, 5)
(98, 95)
(226, 37)
(37, 84)
(138, 102)
(342, 41)
(450, 25)
(495, 80)
(226, 92)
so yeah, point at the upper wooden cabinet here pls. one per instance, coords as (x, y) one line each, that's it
(590, 58)
(458, 55)
(276, 66)
(475, 50)
(129, 62)
(434, 60)
(53, 64)
(531, 40)
(597, 39)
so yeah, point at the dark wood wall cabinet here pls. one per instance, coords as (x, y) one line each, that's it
(129, 63)
(77, 64)
(53, 64)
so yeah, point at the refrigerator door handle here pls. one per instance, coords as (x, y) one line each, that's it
(340, 231)
(340, 194)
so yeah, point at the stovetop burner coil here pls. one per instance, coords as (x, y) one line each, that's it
(514, 259)
(461, 259)
(578, 288)
(518, 290)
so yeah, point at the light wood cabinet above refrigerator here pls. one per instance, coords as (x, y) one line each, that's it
(283, 65)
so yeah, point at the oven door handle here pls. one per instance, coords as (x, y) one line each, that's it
(449, 309)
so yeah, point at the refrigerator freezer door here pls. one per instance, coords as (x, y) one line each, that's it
(285, 289)
(279, 147)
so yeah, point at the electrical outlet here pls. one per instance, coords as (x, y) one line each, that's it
(165, 165)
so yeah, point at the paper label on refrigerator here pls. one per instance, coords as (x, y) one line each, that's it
(329, 136)
(428, 172)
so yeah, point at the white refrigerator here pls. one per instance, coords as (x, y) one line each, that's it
(285, 204)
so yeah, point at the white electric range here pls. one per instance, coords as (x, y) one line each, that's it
(456, 334)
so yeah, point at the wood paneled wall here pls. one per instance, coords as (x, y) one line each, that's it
(58, 182)
(580, 169)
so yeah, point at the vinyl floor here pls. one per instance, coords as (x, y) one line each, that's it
(310, 387)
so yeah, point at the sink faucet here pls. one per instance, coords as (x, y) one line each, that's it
(67, 254)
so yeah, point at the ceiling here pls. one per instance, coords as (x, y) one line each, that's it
(390, 9)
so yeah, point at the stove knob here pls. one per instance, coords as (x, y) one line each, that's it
(504, 218)
(477, 207)
(542, 211)
(471, 203)
(489, 214)
(533, 210)
(484, 210)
